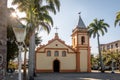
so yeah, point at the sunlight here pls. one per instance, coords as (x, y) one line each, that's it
(18, 13)
(13, 14)
(90, 79)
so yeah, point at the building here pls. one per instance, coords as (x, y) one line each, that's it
(111, 47)
(56, 56)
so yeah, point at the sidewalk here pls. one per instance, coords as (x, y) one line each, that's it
(78, 76)
(94, 75)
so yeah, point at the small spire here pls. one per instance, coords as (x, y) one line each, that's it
(80, 22)
(56, 34)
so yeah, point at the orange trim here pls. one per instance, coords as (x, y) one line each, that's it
(43, 70)
(78, 62)
(81, 47)
(67, 70)
(76, 47)
(49, 70)
(66, 49)
(50, 41)
(89, 56)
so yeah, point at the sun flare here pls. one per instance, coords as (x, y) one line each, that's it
(17, 12)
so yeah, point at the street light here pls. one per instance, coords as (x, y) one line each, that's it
(20, 33)
(113, 66)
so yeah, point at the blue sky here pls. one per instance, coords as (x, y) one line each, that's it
(67, 19)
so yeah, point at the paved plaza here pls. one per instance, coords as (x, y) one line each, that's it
(94, 75)
(78, 76)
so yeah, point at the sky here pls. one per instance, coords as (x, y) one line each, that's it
(67, 19)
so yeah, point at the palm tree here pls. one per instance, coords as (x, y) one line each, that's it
(96, 28)
(37, 17)
(38, 40)
(117, 20)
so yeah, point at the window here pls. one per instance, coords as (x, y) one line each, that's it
(111, 46)
(48, 53)
(82, 40)
(63, 53)
(56, 53)
(108, 47)
(116, 45)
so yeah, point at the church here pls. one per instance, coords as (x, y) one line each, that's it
(57, 56)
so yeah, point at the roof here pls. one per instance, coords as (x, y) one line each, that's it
(80, 26)
(55, 43)
(81, 23)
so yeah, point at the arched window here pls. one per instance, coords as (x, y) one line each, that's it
(48, 53)
(63, 53)
(82, 40)
(56, 53)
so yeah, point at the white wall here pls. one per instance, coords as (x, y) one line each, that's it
(83, 60)
(45, 62)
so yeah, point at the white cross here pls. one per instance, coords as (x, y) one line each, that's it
(56, 28)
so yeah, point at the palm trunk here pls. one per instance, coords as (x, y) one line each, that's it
(100, 56)
(31, 50)
(31, 57)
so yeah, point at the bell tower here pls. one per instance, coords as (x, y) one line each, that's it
(80, 42)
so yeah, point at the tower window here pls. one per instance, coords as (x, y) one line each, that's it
(56, 53)
(82, 40)
(63, 53)
(48, 53)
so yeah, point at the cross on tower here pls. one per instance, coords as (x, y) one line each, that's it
(56, 28)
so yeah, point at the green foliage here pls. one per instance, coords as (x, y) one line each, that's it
(12, 49)
(38, 39)
(97, 27)
(109, 56)
(117, 20)
(38, 13)
(94, 60)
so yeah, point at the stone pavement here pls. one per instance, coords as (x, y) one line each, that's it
(94, 75)
(78, 76)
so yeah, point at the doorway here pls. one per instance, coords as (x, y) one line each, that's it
(56, 66)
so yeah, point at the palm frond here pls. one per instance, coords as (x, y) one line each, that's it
(117, 20)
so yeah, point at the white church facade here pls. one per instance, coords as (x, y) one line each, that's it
(56, 56)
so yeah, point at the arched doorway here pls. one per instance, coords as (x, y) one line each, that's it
(56, 66)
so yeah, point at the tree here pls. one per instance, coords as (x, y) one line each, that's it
(37, 17)
(38, 40)
(94, 62)
(96, 28)
(12, 49)
(117, 20)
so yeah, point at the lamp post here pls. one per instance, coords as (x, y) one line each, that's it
(113, 66)
(20, 33)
